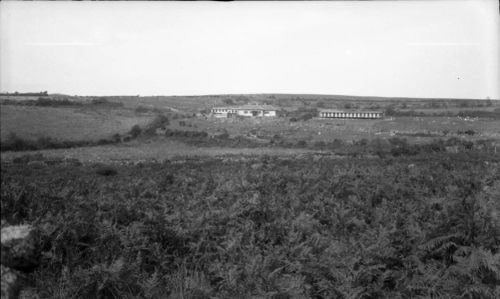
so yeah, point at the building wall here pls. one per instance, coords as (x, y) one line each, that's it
(270, 113)
(361, 115)
(257, 113)
(221, 112)
(245, 112)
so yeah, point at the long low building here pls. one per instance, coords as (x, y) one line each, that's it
(332, 113)
(245, 110)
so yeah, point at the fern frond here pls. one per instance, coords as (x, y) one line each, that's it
(437, 242)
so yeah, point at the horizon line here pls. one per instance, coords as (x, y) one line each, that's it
(247, 94)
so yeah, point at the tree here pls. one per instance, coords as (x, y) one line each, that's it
(228, 101)
(390, 111)
(320, 104)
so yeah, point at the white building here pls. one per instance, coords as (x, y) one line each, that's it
(333, 113)
(246, 110)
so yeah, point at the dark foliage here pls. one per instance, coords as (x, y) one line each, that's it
(135, 131)
(425, 226)
(16, 143)
(159, 122)
(105, 170)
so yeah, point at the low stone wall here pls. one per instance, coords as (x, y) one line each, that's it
(20, 255)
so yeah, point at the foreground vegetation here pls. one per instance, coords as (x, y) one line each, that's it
(405, 227)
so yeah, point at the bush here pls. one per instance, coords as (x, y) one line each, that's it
(104, 141)
(303, 114)
(16, 143)
(319, 144)
(142, 109)
(104, 102)
(49, 102)
(135, 131)
(106, 170)
(302, 143)
(159, 122)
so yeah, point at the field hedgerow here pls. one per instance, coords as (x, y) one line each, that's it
(403, 227)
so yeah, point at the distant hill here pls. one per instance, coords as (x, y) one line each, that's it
(197, 103)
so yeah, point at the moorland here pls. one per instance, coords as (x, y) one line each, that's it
(167, 202)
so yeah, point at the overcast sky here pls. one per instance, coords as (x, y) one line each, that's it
(379, 48)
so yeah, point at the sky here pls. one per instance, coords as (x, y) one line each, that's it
(446, 49)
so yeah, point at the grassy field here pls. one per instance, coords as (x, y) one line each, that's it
(329, 129)
(105, 120)
(158, 150)
(31, 122)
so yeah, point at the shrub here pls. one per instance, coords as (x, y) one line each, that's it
(302, 143)
(106, 170)
(116, 138)
(104, 102)
(104, 141)
(228, 101)
(49, 102)
(335, 144)
(159, 122)
(135, 131)
(142, 109)
(16, 143)
(319, 144)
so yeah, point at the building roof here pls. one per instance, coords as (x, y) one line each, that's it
(249, 107)
(225, 107)
(350, 111)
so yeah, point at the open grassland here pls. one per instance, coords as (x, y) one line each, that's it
(158, 150)
(52, 122)
(420, 227)
(485, 128)
(194, 104)
(31, 122)
(327, 130)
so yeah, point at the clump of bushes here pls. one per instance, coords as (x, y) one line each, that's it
(135, 131)
(145, 109)
(466, 132)
(49, 102)
(303, 114)
(16, 143)
(302, 143)
(159, 122)
(104, 102)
